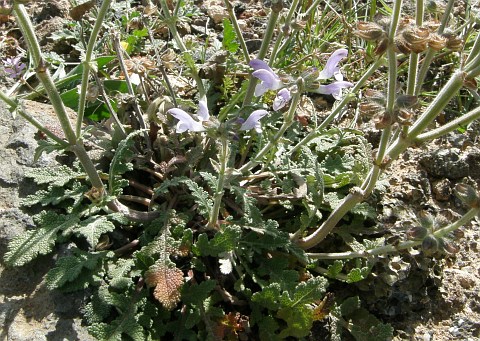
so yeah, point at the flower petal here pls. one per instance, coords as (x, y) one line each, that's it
(283, 96)
(331, 68)
(258, 64)
(334, 89)
(253, 121)
(185, 121)
(202, 112)
(270, 81)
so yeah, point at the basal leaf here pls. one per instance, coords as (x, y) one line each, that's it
(92, 228)
(39, 241)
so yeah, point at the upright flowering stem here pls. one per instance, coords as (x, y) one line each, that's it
(427, 60)
(287, 122)
(281, 34)
(413, 65)
(73, 143)
(358, 194)
(238, 31)
(272, 22)
(87, 64)
(170, 21)
(219, 190)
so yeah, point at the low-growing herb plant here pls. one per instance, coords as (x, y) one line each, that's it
(228, 205)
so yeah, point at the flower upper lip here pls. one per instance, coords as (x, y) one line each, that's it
(269, 80)
(331, 68)
(253, 121)
(186, 121)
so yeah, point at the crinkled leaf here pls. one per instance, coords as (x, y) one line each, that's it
(55, 176)
(68, 269)
(39, 241)
(223, 241)
(93, 227)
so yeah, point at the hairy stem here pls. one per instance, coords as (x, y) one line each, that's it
(276, 8)
(287, 122)
(219, 191)
(87, 64)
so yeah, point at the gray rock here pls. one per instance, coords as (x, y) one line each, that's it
(28, 310)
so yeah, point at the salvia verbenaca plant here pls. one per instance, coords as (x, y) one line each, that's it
(228, 203)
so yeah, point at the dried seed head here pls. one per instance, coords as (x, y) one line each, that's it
(437, 42)
(417, 232)
(467, 194)
(402, 45)
(381, 47)
(416, 38)
(404, 117)
(371, 108)
(383, 121)
(369, 31)
(453, 42)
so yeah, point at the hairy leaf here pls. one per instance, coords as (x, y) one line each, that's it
(229, 42)
(69, 268)
(93, 227)
(39, 241)
(55, 176)
(167, 281)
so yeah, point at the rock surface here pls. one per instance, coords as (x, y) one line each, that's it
(28, 310)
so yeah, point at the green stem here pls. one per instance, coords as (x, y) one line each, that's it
(238, 31)
(281, 34)
(450, 126)
(450, 90)
(11, 102)
(427, 60)
(170, 21)
(87, 64)
(359, 194)
(386, 249)
(219, 191)
(287, 122)
(338, 107)
(413, 65)
(263, 51)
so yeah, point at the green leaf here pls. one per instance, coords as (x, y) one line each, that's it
(69, 268)
(299, 321)
(201, 197)
(55, 195)
(93, 227)
(229, 42)
(268, 297)
(196, 294)
(121, 162)
(306, 292)
(55, 176)
(357, 274)
(350, 305)
(335, 269)
(366, 327)
(40, 241)
(223, 241)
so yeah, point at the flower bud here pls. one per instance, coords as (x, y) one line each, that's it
(467, 194)
(426, 219)
(417, 232)
(369, 31)
(430, 245)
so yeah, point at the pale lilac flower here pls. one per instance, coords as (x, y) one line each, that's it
(186, 122)
(13, 67)
(269, 80)
(331, 68)
(253, 121)
(334, 89)
(283, 96)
